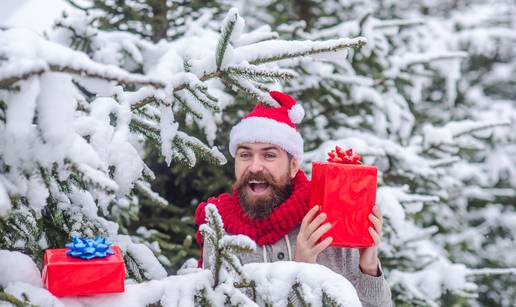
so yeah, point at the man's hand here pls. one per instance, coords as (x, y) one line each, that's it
(307, 248)
(369, 256)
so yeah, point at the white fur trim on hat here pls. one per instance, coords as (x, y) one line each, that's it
(266, 130)
(296, 113)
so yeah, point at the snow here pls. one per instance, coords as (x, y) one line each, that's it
(28, 52)
(433, 278)
(263, 51)
(152, 269)
(37, 193)
(274, 281)
(56, 101)
(18, 267)
(5, 202)
(32, 14)
(235, 24)
(173, 291)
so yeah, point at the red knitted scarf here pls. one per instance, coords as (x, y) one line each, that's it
(282, 219)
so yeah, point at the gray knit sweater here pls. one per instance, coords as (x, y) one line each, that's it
(372, 291)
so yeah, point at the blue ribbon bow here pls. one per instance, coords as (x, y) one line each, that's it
(89, 248)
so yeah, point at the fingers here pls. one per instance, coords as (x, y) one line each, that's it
(378, 213)
(375, 235)
(308, 217)
(322, 245)
(314, 237)
(377, 219)
(376, 222)
(315, 223)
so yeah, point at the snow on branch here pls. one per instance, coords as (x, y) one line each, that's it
(29, 54)
(251, 89)
(435, 137)
(224, 246)
(492, 271)
(425, 58)
(145, 188)
(381, 24)
(312, 283)
(261, 74)
(276, 50)
(228, 33)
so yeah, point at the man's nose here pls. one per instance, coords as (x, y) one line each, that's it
(256, 165)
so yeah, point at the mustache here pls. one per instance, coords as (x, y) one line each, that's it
(260, 176)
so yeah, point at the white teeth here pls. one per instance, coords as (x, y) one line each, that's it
(256, 181)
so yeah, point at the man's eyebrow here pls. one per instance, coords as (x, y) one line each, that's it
(269, 148)
(243, 147)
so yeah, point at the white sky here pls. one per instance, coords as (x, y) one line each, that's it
(37, 15)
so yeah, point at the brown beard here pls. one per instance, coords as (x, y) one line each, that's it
(261, 207)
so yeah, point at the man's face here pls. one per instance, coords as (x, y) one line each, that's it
(264, 174)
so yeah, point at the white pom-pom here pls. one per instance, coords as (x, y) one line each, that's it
(296, 113)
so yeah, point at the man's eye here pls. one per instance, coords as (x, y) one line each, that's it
(244, 155)
(270, 156)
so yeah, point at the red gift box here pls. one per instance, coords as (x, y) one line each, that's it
(64, 275)
(347, 194)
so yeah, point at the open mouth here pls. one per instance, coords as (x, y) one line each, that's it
(258, 186)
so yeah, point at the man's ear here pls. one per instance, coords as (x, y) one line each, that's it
(294, 167)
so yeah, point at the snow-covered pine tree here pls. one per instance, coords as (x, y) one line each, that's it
(76, 111)
(483, 233)
(442, 149)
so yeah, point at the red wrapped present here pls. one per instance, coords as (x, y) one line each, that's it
(66, 275)
(346, 191)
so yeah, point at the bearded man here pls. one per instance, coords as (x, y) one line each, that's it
(270, 203)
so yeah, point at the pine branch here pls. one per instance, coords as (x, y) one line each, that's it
(145, 127)
(414, 59)
(398, 23)
(300, 299)
(183, 101)
(6, 297)
(250, 89)
(302, 49)
(232, 262)
(74, 4)
(144, 188)
(329, 301)
(480, 127)
(212, 155)
(6, 83)
(244, 283)
(228, 25)
(127, 79)
(145, 101)
(260, 74)
(133, 269)
(492, 271)
(201, 94)
(185, 153)
(215, 221)
(239, 244)
(202, 299)
(215, 230)
(255, 37)
(79, 42)
(444, 162)
(208, 95)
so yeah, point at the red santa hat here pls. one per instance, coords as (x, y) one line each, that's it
(273, 125)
